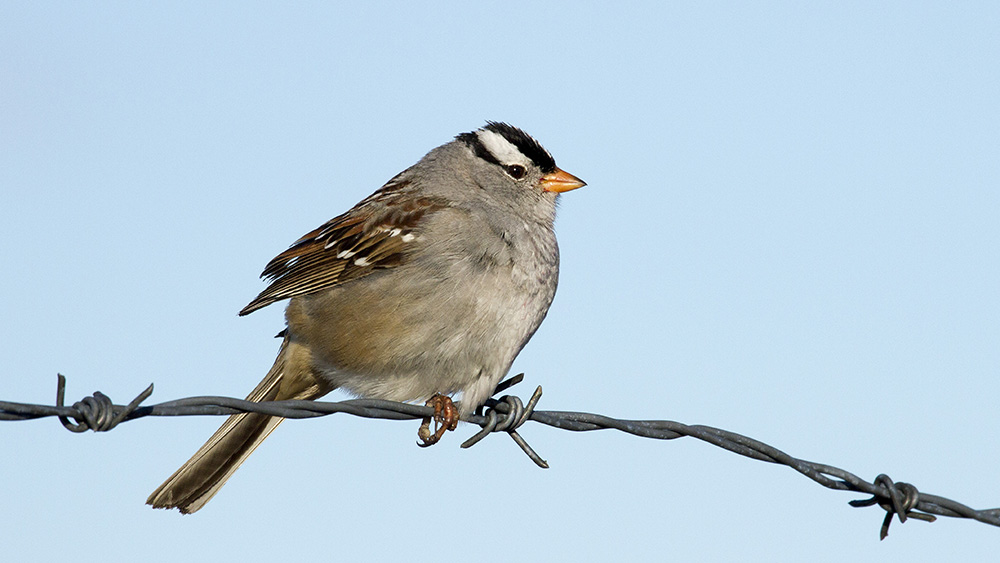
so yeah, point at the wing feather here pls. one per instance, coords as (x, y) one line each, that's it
(375, 234)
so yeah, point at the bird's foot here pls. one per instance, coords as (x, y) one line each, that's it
(445, 418)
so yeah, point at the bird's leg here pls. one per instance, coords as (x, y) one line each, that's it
(445, 418)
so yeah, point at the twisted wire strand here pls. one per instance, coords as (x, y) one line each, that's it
(508, 414)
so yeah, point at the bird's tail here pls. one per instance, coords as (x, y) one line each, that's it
(197, 481)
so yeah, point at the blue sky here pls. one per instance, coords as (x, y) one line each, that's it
(790, 231)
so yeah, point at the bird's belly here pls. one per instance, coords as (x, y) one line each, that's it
(410, 341)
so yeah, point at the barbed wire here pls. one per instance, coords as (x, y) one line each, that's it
(507, 414)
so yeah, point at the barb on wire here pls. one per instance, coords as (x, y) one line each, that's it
(508, 414)
(903, 497)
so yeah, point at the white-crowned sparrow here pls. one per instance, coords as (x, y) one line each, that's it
(431, 285)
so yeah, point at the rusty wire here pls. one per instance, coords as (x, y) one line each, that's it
(507, 414)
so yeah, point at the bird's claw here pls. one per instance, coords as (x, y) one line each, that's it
(445, 418)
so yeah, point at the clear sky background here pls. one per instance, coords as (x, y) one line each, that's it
(790, 231)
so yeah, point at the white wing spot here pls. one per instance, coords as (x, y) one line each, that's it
(362, 262)
(345, 254)
(408, 237)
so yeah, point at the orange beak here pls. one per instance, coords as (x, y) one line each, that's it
(561, 181)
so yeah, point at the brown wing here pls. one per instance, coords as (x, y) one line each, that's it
(374, 234)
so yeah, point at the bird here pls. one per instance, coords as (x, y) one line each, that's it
(427, 288)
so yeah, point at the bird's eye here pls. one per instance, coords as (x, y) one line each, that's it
(515, 171)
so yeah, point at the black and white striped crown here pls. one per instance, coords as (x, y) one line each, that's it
(505, 144)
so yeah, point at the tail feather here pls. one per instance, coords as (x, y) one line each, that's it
(201, 477)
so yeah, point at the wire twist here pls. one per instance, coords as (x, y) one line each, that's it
(507, 415)
(97, 412)
(903, 498)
